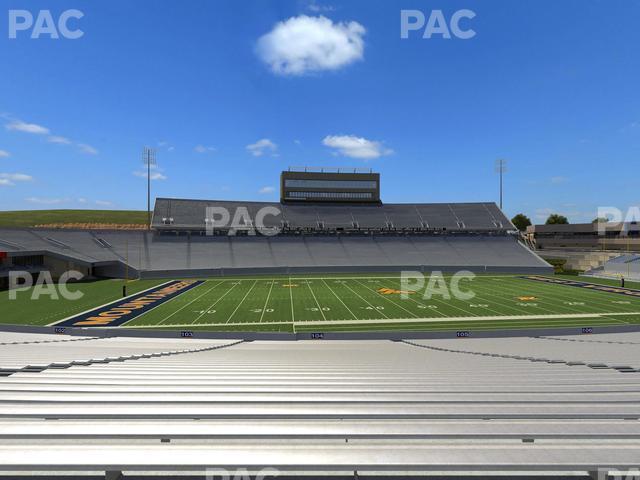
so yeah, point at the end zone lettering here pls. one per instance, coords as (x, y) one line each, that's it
(122, 311)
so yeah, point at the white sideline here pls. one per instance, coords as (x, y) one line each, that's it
(109, 303)
(403, 320)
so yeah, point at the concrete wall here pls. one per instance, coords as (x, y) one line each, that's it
(199, 273)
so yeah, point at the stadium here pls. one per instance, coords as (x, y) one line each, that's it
(308, 265)
(289, 344)
(319, 240)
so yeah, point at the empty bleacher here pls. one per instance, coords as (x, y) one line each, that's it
(190, 215)
(510, 407)
(167, 255)
(312, 238)
(627, 265)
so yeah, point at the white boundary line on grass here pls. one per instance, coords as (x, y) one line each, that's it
(411, 320)
(186, 305)
(241, 302)
(159, 305)
(266, 302)
(284, 277)
(109, 303)
(204, 312)
(355, 317)
(324, 317)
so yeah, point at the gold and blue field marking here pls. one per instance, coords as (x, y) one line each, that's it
(591, 286)
(117, 313)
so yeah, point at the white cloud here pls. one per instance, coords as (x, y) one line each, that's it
(167, 145)
(266, 190)
(4, 154)
(154, 175)
(46, 201)
(88, 149)
(203, 149)
(20, 126)
(557, 180)
(66, 200)
(261, 147)
(9, 179)
(310, 44)
(356, 147)
(59, 140)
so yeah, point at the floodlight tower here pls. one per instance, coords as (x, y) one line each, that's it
(501, 169)
(149, 159)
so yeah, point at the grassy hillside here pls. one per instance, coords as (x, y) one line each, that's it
(30, 218)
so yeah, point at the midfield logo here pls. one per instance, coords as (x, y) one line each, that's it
(392, 291)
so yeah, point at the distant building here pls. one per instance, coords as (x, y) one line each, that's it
(588, 236)
(335, 185)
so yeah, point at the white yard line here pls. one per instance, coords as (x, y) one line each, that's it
(600, 300)
(317, 303)
(293, 315)
(185, 306)
(389, 300)
(266, 302)
(436, 310)
(483, 295)
(336, 295)
(434, 299)
(241, 302)
(213, 304)
(414, 320)
(365, 301)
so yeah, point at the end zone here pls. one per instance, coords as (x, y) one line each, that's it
(121, 311)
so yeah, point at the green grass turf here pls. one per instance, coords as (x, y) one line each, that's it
(43, 311)
(349, 303)
(29, 218)
(354, 304)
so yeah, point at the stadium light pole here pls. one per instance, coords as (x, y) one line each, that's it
(149, 159)
(501, 169)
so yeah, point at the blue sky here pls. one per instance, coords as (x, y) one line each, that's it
(229, 100)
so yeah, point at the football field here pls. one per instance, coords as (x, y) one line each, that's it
(327, 303)
(298, 304)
